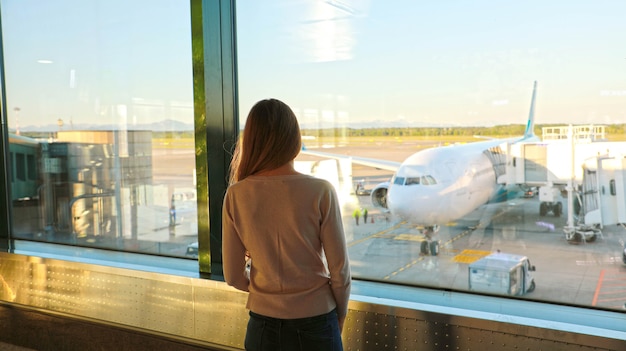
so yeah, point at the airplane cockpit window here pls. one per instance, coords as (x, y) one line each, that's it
(412, 181)
(424, 180)
(428, 180)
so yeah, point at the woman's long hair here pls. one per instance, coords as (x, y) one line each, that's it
(270, 139)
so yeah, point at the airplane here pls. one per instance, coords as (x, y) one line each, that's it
(439, 185)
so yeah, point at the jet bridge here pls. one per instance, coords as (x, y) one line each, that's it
(558, 157)
(602, 197)
(560, 167)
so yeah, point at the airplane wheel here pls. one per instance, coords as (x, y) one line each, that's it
(558, 209)
(543, 209)
(434, 248)
(424, 247)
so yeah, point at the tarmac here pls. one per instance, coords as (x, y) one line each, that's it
(587, 274)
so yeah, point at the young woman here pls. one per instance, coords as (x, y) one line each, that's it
(289, 226)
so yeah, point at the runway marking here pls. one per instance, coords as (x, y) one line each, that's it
(421, 258)
(611, 289)
(469, 256)
(598, 287)
(609, 260)
(405, 267)
(375, 235)
(409, 237)
(461, 234)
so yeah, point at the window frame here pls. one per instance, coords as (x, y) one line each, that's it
(215, 119)
(216, 129)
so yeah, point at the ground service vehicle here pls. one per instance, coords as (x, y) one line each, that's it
(502, 273)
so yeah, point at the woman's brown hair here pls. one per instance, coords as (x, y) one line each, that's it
(270, 139)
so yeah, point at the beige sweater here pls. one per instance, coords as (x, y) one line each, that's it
(291, 225)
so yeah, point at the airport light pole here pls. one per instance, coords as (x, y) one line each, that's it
(570, 227)
(17, 120)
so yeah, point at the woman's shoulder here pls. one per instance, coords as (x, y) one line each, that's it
(300, 179)
(314, 181)
(318, 185)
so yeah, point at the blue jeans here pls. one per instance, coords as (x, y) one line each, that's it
(319, 333)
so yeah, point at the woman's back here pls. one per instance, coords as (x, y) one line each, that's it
(289, 224)
(284, 222)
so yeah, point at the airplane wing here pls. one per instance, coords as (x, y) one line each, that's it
(370, 162)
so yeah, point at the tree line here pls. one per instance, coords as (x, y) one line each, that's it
(612, 131)
(499, 130)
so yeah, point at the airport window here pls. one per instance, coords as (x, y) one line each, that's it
(20, 166)
(612, 186)
(101, 119)
(435, 85)
(32, 167)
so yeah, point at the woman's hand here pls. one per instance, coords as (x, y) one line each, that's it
(341, 320)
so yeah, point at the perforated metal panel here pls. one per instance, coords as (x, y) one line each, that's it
(221, 316)
(184, 307)
(380, 327)
(207, 311)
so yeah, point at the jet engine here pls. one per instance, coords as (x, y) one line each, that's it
(379, 195)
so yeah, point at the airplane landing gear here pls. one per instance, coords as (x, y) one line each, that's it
(429, 246)
(555, 207)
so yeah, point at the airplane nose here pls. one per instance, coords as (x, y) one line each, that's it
(400, 204)
(412, 204)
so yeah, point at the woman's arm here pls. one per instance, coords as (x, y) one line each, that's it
(233, 250)
(334, 242)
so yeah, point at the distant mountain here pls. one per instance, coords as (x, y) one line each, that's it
(398, 123)
(160, 126)
(167, 125)
(177, 126)
(173, 125)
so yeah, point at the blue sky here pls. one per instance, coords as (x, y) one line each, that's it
(451, 62)
(335, 62)
(103, 54)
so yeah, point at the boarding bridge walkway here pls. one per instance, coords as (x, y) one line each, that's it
(576, 164)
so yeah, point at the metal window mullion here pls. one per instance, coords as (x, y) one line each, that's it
(216, 126)
(5, 182)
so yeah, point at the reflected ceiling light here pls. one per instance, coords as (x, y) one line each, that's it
(342, 6)
(44, 61)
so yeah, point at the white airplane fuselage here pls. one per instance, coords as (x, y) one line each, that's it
(453, 181)
(443, 184)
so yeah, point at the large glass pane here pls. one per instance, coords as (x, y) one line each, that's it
(100, 103)
(417, 112)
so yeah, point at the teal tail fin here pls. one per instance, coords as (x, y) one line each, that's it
(530, 125)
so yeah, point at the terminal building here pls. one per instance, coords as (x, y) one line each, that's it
(119, 121)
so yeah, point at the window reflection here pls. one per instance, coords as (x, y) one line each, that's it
(412, 181)
(101, 132)
(391, 87)
(399, 180)
(428, 180)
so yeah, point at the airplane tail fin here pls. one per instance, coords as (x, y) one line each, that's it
(530, 125)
